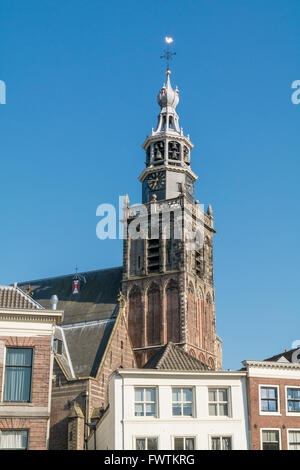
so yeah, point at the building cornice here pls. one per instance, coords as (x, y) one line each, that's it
(176, 169)
(31, 315)
(169, 136)
(174, 373)
(272, 365)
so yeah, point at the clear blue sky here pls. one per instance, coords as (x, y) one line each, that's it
(82, 79)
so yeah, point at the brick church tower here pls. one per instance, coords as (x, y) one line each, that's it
(168, 249)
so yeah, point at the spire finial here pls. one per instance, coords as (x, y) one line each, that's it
(168, 54)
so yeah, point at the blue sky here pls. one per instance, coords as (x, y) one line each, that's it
(82, 79)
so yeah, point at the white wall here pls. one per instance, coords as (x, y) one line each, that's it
(125, 427)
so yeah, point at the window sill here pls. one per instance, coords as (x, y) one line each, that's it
(16, 403)
(269, 413)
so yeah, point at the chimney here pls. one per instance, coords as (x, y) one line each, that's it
(53, 302)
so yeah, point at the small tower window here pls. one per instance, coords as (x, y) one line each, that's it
(57, 346)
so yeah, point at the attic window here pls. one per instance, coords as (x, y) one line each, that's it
(57, 345)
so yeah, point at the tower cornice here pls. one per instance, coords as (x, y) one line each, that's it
(167, 135)
(176, 169)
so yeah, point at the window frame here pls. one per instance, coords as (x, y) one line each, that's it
(135, 438)
(144, 387)
(182, 416)
(184, 437)
(229, 405)
(32, 348)
(270, 429)
(269, 413)
(14, 430)
(220, 436)
(290, 413)
(287, 435)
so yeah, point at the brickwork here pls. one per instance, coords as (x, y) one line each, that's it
(66, 392)
(258, 421)
(185, 313)
(37, 426)
(41, 364)
(37, 430)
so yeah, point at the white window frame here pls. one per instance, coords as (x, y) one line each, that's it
(287, 434)
(192, 388)
(269, 413)
(145, 437)
(184, 436)
(14, 430)
(290, 413)
(270, 429)
(229, 404)
(211, 436)
(156, 402)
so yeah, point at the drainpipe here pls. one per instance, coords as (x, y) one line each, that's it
(86, 417)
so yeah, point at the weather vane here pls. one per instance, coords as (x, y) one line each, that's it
(168, 54)
(76, 281)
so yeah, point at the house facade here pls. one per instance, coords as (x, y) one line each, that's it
(151, 410)
(274, 402)
(26, 365)
(155, 408)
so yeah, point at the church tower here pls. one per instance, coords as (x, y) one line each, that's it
(168, 249)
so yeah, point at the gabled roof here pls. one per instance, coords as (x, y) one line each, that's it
(97, 298)
(172, 357)
(286, 356)
(13, 297)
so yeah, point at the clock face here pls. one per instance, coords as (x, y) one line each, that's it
(156, 181)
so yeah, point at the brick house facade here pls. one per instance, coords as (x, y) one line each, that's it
(274, 404)
(25, 387)
(77, 401)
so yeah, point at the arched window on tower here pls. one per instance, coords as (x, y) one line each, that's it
(208, 321)
(192, 315)
(153, 316)
(172, 312)
(200, 306)
(135, 317)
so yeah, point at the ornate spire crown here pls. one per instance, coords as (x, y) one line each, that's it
(168, 99)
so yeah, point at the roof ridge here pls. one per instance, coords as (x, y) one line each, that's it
(68, 275)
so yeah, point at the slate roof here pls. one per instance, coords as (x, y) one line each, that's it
(96, 300)
(89, 317)
(86, 345)
(13, 297)
(172, 357)
(287, 355)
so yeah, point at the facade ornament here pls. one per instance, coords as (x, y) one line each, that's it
(121, 299)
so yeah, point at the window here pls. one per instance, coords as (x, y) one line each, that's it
(17, 385)
(57, 345)
(146, 443)
(294, 440)
(221, 443)
(14, 439)
(218, 402)
(184, 443)
(182, 401)
(270, 439)
(268, 399)
(145, 401)
(293, 400)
